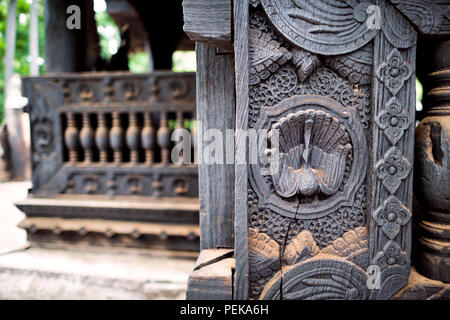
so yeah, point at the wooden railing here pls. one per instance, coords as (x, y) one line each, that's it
(110, 133)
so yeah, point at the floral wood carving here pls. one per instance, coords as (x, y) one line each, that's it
(391, 216)
(391, 255)
(394, 72)
(392, 169)
(394, 120)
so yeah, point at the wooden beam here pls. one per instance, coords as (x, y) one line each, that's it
(212, 278)
(209, 21)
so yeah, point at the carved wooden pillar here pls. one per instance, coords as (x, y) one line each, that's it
(432, 168)
(335, 80)
(324, 211)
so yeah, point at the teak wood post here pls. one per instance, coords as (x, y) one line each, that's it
(62, 49)
(209, 24)
(335, 82)
(215, 111)
(432, 167)
(340, 92)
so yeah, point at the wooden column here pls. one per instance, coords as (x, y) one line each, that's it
(209, 24)
(70, 50)
(215, 110)
(432, 168)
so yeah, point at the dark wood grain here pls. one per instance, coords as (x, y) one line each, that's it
(215, 110)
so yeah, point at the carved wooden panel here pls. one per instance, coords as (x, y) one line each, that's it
(339, 89)
(110, 134)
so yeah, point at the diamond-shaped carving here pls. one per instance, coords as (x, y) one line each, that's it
(391, 216)
(393, 120)
(392, 169)
(394, 72)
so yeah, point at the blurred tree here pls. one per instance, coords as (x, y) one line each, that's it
(21, 55)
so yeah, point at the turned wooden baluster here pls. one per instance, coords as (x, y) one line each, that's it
(163, 137)
(116, 138)
(71, 137)
(194, 140)
(87, 138)
(147, 138)
(432, 168)
(132, 137)
(179, 125)
(101, 138)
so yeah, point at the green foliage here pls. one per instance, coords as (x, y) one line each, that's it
(20, 64)
(184, 61)
(419, 90)
(109, 35)
(138, 62)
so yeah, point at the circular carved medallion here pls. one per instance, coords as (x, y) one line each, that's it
(314, 159)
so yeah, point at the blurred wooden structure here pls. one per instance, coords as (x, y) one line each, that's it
(102, 172)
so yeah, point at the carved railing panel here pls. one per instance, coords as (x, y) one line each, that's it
(110, 134)
(336, 80)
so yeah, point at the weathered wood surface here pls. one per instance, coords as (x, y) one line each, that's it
(429, 17)
(62, 232)
(336, 221)
(331, 212)
(432, 167)
(212, 277)
(209, 21)
(241, 19)
(216, 111)
(183, 211)
(422, 288)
